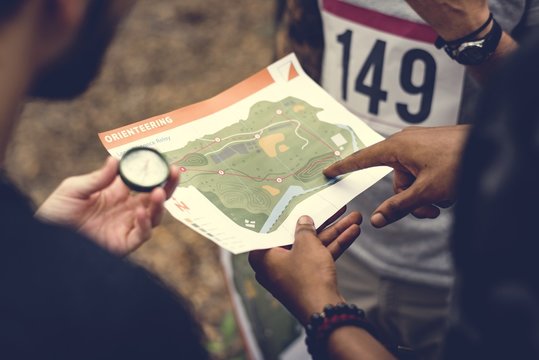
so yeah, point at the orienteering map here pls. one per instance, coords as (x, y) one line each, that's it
(251, 158)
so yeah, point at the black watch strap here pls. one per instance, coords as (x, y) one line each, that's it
(475, 51)
(440, 42)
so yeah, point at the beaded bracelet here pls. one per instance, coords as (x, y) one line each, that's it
(322, 324)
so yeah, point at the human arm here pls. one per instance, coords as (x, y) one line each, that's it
(299, 30)
(304, 279)
(455, 19)
(101, 206)
(426, 163)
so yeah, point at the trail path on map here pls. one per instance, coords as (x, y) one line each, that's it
(256, 170)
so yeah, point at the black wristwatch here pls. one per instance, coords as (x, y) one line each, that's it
(472, 51)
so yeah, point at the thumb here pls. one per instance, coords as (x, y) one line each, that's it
(305, 233)
(86, 185)
(397, 206)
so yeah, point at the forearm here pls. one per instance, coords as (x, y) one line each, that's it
(349, 342)
(346, 342)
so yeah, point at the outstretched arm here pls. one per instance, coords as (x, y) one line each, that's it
(426, 163)
(101, 206)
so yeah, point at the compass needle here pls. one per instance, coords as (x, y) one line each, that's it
(143, 169)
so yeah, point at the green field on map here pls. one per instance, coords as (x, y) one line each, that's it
(256, 170)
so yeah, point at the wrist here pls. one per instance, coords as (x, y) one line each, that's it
(474, 48)
(315, 304)
(464, 23)
(322, 326)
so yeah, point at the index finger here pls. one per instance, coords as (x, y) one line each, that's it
(375, 155)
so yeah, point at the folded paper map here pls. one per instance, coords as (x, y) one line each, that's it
(251, 158)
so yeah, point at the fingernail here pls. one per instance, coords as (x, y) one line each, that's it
(326, 170)
(378, 220)
(305, 220)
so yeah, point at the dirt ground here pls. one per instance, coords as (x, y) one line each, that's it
(169, 53)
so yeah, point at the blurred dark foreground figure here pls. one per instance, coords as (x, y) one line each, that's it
(63, 296)
(495, 238)
(494, 241)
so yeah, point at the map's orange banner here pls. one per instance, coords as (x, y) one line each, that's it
(160, 123)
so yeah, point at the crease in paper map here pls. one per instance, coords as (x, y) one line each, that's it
(251, 158)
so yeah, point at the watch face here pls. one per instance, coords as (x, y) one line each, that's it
(143, 169)
(472, 55)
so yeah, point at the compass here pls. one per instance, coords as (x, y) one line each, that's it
(142, 169)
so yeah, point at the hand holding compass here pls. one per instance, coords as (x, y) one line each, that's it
(102, 207)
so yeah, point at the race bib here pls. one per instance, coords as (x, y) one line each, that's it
(387, 70)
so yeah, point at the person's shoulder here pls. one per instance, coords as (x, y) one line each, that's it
(34, 252)
(60, 285)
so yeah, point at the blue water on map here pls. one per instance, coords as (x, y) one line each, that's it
(292, 192)
(295, 190)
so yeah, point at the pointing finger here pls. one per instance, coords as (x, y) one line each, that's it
(375, 155)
